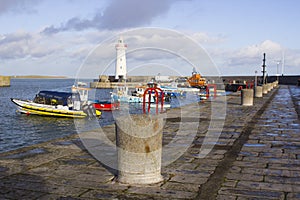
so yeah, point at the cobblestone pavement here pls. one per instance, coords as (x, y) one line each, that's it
(255, 157)
(268, 165)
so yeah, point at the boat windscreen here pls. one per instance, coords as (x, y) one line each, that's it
(61, 98)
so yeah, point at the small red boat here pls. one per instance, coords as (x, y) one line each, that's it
(106, 105)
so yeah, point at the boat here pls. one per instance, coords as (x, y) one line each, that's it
(106, 105)
(173, 91)
(81, 84)
(196, 80)
(136, 96)
(56, 104)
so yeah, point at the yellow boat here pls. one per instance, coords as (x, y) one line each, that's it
(57, 104)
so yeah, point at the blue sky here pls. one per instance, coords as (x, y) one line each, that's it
(47, 37)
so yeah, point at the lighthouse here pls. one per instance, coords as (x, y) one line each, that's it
(121, 68)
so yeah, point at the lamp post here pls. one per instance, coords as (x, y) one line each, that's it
(278, 62)
(277, 72)
(255, 81)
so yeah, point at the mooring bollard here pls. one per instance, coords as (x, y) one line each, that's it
(265, 89)
(269, 87)
(247, 97)
(139, 143)
(258, 91)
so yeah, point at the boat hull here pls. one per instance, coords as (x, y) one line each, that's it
(106, 106)
(29, 107)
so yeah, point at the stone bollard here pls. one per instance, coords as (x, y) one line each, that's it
(139, 143)
(265, 89)
(269, 87)
(247, 97)
(258, 91)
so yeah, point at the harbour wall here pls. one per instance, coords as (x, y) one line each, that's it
(4, 81)
(132, 81)
(283, 79)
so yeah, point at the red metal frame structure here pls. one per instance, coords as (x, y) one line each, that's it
(156, 91)
(207, 90)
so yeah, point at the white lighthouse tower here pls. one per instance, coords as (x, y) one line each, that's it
(121, 69)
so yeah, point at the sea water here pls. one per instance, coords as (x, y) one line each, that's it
(19, 130)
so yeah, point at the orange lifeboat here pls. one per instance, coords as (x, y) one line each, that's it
(196, 80)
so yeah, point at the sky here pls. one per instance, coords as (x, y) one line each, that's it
(76, 38)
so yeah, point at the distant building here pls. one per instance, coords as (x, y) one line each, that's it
(160, 78)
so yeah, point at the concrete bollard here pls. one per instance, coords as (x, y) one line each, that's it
(265, 89)
(269, 87)
(258, 91)
(139, 142)
(247, 97)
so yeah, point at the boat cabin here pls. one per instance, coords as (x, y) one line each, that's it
(56, 98)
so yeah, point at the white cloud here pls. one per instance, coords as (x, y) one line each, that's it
(66, 51)
(205, 38)
(246, 60)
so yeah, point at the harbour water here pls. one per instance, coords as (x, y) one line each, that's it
(18, 130)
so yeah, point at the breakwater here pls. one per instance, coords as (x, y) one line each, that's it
(230, 82)
(254, 157)
(4, 81)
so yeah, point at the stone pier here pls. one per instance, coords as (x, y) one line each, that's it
(256, 156)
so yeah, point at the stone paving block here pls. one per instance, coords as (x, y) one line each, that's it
(266, 186)
(87, 184)
(37, 187)
(226, 197)
(282, 179)
(230, 183)
(192, 179)
(51, 197)
(293, 196)
(252, 193)
(98, 194)
(283, 166)
(250, 164)
(162, 193)
(21, 194)
(243, 176)
(181, 186)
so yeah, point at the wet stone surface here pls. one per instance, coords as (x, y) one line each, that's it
(266, 166)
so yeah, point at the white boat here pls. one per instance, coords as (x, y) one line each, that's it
(136, 96)
(81, 84)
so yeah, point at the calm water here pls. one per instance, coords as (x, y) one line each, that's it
(18, 130)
